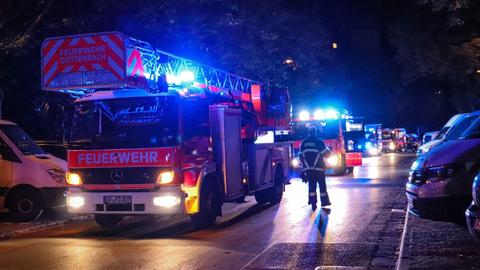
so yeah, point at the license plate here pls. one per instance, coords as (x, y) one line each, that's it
(117, 199)
(477, 224)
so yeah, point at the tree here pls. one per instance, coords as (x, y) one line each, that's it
(437, 40)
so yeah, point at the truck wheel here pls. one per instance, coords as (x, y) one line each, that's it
(108, 221)
(26, 205)
(261, 196)
(210, 207)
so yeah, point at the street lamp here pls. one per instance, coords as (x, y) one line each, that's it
(334, 45)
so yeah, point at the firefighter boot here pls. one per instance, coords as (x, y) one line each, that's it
(325, 200)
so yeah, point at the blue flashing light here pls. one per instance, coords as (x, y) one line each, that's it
(187, 76)
(319, 114)
(304, 115)
(331, 114)
(368, 145)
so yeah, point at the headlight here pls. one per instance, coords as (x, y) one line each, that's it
(295, 163)
(373, 151)
(74, 179)
(57, 175)
(333, 160)
(165, 177)
(440, 173)
(391, 146)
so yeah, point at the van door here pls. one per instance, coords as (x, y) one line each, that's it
(7, 157)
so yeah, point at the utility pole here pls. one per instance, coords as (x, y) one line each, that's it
(1, 101)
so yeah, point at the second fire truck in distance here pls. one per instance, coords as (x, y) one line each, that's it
(333, 126)
(157, 134)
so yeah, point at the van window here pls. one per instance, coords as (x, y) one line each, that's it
(7, 153)
(21, 140)
(460, 128)
(473, 131)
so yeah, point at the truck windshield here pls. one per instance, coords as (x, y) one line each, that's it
(21, 140)
(325, 130)
(126, 122)
(387, 135)
(473, 131)
(457, 131)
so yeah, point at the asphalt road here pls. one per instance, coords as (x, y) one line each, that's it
(353, 233)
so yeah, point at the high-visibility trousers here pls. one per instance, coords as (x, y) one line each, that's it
(313, 177)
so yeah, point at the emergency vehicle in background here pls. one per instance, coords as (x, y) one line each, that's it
(393, 140)
(157, 134)
(332, 126)
(373, 134)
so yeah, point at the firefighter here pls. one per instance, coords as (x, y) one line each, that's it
(313, 151)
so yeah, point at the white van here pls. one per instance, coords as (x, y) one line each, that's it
(31, 180)
(441, 134)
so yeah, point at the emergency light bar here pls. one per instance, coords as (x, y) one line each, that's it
(323, 114)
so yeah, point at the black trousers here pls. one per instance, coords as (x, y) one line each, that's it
(313, 177)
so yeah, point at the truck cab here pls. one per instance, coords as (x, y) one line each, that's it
(31, 180)
(332, 127)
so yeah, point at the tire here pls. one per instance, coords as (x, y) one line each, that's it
(210, 206)
(108, 221)
(26, 205)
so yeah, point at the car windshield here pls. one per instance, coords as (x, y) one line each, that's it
(457, 131)
(21, 140)
(132, 122)
(473, 131)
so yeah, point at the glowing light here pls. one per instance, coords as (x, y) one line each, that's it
(331, 114)
(334, 45)
(75, 202)
(373, 151)
(165, 177)
(304, 116)
(187, 76)
(295, 163)
(166, 201)
(74, 179)
(333, 160)
(391, 146)
(319, 115)
(368, 145)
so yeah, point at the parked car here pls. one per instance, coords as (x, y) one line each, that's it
(440, 181)
(412, 142)
(441, 134)
(428, 136)
(472, 214)
(31, 180)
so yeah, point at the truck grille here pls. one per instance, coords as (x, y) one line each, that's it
(118, 175)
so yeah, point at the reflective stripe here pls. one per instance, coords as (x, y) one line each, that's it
(310, 151)
(323, 193)
(312, 194)
(313, 169)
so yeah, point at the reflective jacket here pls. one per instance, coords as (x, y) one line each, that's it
(312, 154)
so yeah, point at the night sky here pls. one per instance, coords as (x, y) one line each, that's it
(363, 75)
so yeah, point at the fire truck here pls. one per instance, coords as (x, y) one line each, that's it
(393, 140)
(333, 127)
(157, 134)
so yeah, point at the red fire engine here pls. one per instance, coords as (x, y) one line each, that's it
(157, 134)
(332, 126)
